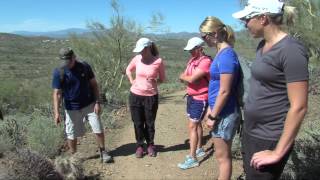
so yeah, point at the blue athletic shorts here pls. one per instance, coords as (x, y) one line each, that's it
(196, 109)
(227, 127)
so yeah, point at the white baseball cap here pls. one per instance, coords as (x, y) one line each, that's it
(194, 42)
(141, 44)
(257, 7)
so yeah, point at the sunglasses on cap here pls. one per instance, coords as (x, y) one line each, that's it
(247, 18)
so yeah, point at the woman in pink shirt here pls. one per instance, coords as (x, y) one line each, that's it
(197, 77)
(149, 70)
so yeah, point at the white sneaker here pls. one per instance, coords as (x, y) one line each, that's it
(188, 163)
(105, 157)
(200, 152)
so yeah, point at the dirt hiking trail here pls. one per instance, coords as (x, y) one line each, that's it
(171, 140)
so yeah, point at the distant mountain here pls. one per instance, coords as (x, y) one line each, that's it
(86, 32)
(54, 34)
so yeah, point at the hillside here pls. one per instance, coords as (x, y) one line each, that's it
(53, 34)
(26, 66)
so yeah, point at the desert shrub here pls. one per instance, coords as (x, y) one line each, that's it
(25, 164)
(304, 161)
(70, 168)
(5, 142)
(236, 147)
(12, 132)
(108, 51)
(112, 115)
(43, 136)
(36, 131)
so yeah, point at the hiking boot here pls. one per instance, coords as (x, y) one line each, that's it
(106, 157)
(151, 151)
(139, 152)
(200, 152)
(190, 162)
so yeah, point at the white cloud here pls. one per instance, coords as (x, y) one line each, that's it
(38, 25)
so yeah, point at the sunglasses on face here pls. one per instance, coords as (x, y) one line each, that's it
(206, 34)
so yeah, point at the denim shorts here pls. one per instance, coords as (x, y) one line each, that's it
(196, 109)
(227, 127)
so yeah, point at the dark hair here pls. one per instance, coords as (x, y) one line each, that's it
(154, 49)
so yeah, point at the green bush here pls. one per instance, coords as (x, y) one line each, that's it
(6, 143)
(12, 133)
(43, 136)
(304, 161)
(110, 116)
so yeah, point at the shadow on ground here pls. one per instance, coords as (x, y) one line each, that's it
(130, 148)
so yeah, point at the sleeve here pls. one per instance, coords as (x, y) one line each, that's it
(295, 63)
(227, 62)
(162, 74)
(89, 70)
(56, 84)
(204, 65)
(131, 66)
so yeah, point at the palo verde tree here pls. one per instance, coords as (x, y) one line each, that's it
(306, 26)
(109, 49)
(307, 21)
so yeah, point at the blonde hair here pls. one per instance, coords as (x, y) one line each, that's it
(214, 24)
(286, 18)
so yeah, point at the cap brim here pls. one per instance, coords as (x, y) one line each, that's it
(138, 49)
(188, 48)
(241, 14)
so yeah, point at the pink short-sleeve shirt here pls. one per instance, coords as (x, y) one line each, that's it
(146, 75)
(199, 89)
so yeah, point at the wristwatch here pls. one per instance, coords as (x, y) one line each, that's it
(216, 118)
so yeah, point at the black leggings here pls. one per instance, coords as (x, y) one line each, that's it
(143, 113)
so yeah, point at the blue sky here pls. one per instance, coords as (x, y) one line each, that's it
(51, 15)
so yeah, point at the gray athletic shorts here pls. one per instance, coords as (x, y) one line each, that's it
(75, 120)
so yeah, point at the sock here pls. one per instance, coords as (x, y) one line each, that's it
(102, 149)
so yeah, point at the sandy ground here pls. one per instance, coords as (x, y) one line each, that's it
(171, 141)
